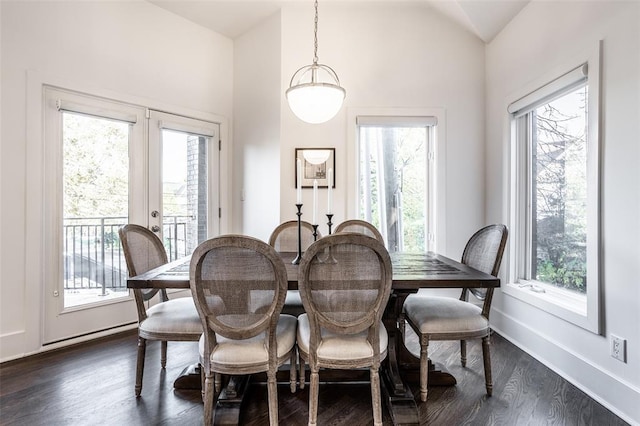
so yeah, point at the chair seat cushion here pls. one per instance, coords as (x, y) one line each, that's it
(340, 347)
(252, 351)
(177, 317)
(293, 298)
(444, 315)
(293, 303)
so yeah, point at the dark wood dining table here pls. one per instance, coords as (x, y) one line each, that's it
(411, 272)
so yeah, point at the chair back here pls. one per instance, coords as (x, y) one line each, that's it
(285, 237)
(143, 251)
(345, 282)
(238, 284)
(484, 252)
(361, 227)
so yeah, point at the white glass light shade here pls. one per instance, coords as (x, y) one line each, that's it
(316, 156)
(315, 95)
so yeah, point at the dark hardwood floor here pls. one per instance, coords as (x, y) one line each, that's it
(92, 384)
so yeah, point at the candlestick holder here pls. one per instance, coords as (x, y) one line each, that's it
(315, 232)
(329, 217)
(296, 261)
(329, 258)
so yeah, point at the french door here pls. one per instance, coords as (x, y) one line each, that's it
(109, 163)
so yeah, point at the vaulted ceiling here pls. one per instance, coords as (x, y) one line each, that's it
(231, 18)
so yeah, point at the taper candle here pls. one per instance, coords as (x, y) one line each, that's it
(329, 191)
(299, 182)
(315, 202)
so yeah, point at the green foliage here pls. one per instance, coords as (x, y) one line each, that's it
(96, 167)
(406, 186)
(560, 192)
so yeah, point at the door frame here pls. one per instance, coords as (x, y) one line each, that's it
(32, 336)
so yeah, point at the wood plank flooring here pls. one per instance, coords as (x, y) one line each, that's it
(92, 384)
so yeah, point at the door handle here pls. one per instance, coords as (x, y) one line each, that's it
(155, 228)
(155, 213)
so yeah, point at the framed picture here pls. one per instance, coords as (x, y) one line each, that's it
(315, 164)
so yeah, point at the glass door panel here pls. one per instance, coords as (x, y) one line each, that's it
(184, 192)
(183, 179)
(95, 204)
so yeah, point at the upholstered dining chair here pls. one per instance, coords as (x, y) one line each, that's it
(284, 238)
(447, 318)
(361, 227)
(344, 301)
(176, 319)
(239, 285)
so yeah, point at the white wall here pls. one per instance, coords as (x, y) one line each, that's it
(129, 48)
(390, 55)
(542, 38)
(256, 141)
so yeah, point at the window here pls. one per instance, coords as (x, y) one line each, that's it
(395, 179)
(554, 197)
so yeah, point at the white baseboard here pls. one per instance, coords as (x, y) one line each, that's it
(617, 395)
(14, 346)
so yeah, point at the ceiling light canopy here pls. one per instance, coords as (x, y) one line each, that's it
(314, 94)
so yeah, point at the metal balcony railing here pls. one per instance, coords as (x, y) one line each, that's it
(93, 256)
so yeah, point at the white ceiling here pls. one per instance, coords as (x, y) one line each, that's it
(231, 18)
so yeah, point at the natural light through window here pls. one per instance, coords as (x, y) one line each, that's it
(559, 192)
(393, 183)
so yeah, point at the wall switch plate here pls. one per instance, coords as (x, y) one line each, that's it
(619, 348)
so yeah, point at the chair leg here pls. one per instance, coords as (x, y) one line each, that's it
(463, 352)
(424, 370)
(272, 390)
(208, 399)
(486, 355)
(217, 382)
(163, 354)
(142, 348)
(313, 397)
(202, 382)
(375, 397)
(293, 368)
(301, 374)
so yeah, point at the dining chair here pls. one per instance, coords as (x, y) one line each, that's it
(239, 284)
(361, 227)
(284, 238)
(344, 301)
(175, 319)
(447, 318)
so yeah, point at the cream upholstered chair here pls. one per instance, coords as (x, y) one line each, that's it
(361, 227)
(175, 319)
(239, 285)
(285, 239)
(344, 301)
(446, 318)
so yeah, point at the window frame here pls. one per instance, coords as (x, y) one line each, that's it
(581, 310)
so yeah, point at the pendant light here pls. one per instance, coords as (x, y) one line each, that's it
(314, 94)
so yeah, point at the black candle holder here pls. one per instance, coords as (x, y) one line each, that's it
(329, 217)
(315, 232)
(329, 258)
(296, 261)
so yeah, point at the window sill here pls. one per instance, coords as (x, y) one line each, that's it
(564, 304)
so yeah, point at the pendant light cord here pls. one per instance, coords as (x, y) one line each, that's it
(315, 35)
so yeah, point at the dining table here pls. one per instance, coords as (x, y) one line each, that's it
(412, 271)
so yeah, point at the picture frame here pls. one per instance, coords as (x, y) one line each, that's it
(315, 163)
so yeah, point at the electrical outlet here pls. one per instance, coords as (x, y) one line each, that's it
(619, 348)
